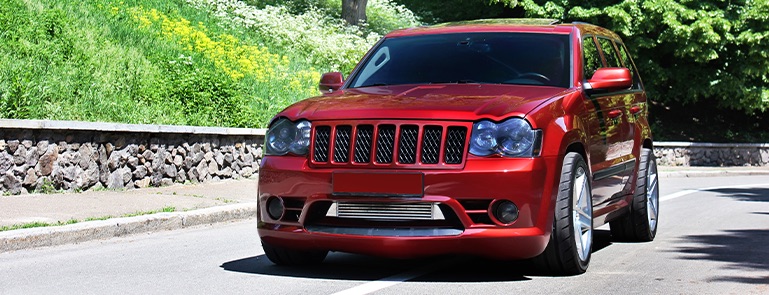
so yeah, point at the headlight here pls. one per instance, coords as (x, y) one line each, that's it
(511, 138)
(285, 136)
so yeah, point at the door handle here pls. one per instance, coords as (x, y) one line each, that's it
(635, 109)
(615, 113)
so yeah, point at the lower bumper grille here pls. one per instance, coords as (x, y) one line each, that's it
(397, 211)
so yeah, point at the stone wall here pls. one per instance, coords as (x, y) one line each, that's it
(711, 154)
(76, 156)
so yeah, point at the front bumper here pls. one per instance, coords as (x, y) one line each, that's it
(464, 195)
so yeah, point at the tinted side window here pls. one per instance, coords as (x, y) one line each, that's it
(591, 58)
(609, 53)
(628, 63)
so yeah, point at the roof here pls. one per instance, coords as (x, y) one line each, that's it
(521, 25)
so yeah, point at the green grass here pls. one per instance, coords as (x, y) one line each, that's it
(98, 60)
(73, 221)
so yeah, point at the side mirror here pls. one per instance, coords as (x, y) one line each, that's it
(330, 82)
(610, 79)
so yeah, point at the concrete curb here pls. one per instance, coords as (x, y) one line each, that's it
(116, 227)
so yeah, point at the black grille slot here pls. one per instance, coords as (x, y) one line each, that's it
(407, 146)
(322, 134)
(431, 144)
(363, 137)
(342, 143)
(385, 144)
(455, 145)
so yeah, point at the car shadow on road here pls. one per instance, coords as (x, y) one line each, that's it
(744, 194)
(343, 266)
(741, 249)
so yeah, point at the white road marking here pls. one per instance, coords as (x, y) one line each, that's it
(691, 191)
(380, 284)
(394, 280)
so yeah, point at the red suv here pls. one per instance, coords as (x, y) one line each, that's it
(507, 139)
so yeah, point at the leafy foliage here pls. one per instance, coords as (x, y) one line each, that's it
(690, 51)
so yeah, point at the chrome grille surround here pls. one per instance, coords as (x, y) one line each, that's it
(389, 144)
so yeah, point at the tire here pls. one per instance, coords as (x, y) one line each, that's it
(283, 256)
(569, 249)
(640, 225)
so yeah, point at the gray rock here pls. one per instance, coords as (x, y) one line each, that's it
(32, 156)
(104, 173)
(247, 172)
(12, 145)
(42, 147)
(213, 168)
(208, 156)
(193, 174)
(140, 172)
(148, 155)
(132, 162)
(156, 178)
(45, 164)
(142, 183)
(73, 146)
(115, 180)
(170, 171)
(197, 157)
(11, 184)
(202, 171)
(189, 162)
(70, 173)
(20, 156)
(91, 175)
(127, 176)
(166, 182)
(196, 148)
(207, 147)
(178, 160)
(27, 143)
(248, 159)
(219, 157)
(6, 162)
(228, 159)
(181, 177)
(31, 178)
(225, 173)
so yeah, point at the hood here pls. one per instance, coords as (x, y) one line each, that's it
(441, 101)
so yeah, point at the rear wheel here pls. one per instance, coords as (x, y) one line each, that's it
(283, 256)
(641, 224)
(569, 249)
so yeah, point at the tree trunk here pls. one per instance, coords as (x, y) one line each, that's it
(354, 11)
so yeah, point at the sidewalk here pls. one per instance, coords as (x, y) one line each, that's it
(192, 205)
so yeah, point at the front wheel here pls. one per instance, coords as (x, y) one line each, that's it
(571, 243)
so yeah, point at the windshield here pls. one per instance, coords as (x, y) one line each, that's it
(498, 58)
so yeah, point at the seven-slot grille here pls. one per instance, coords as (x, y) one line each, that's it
(386, 144)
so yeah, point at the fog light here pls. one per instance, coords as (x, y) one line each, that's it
(275, 208)
(505, 211)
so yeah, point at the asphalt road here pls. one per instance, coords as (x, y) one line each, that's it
(713, 239)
